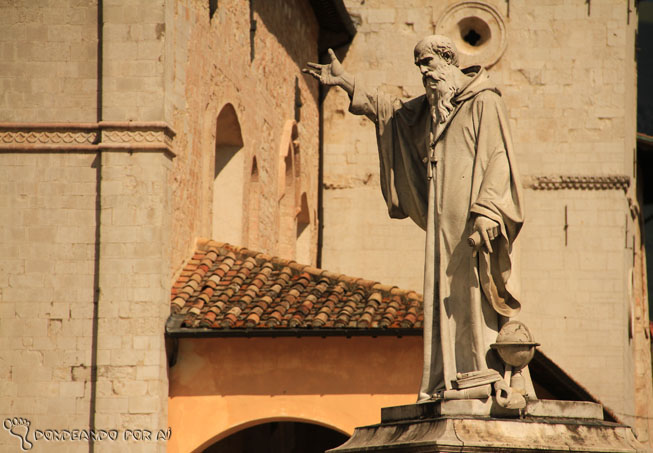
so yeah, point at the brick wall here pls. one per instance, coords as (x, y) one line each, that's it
(204, 72)
(64, 230)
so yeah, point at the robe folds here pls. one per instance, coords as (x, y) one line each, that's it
(441, 177)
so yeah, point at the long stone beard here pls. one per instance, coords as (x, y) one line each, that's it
(439, 93)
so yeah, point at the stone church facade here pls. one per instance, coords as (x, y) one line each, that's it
(128, 130)
(116, 120)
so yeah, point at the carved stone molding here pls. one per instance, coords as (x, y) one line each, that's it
(46, 137)
(87, 137)
(577, 182)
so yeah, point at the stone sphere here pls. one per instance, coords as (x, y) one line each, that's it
(515, 344)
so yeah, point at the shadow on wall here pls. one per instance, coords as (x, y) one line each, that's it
(297, 366)
(645, 68)
(276, 20)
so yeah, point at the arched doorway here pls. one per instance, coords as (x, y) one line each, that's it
(228, 178)
(280, 437)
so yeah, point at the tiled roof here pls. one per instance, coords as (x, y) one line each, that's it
(229, 290)
(227, 287)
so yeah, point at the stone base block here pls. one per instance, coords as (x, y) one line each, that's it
(490, 408)
(478, 426)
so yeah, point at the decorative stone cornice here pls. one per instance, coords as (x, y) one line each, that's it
(578, 182)
(130, 136)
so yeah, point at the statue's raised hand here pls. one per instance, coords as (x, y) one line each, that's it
(331, 74)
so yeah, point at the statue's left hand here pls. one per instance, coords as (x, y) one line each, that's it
(488, 229)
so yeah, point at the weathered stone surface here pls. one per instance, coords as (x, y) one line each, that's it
(489, 407)
(459, 434)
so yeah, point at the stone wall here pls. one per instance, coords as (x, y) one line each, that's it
(84, 283)
(132, 378)
(48, 64)
(133, 60)
(85, 222)
(47, 250)
(215, 61)
(97, 212)
(575, 288)
(568, 79)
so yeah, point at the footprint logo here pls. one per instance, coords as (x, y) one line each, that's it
(19, 427)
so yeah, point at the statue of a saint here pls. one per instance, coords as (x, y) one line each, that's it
(447, 163)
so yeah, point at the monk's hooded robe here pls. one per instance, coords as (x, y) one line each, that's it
(441, 176)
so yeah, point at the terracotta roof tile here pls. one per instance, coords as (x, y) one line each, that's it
(227, 287)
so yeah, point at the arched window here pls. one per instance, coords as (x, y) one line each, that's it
(253, 207)
(228, 178)
(288, 190)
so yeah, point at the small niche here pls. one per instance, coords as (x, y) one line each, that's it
(474, 31)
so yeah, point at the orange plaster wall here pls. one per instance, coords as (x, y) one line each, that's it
(221, 385)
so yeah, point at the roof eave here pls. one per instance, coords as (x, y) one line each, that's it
(174, 330)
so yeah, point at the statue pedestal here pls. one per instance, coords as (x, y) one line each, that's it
(484, 426)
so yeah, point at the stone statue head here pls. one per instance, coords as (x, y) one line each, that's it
(437, 45)
(437, 59)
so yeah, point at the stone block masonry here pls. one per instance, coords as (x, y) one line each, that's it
(133, 60)
(46, 289)
(133, 291)
(95, 214)
(84, 223)
(48, 61)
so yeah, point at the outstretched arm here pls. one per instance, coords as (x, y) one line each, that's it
(332, 74)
